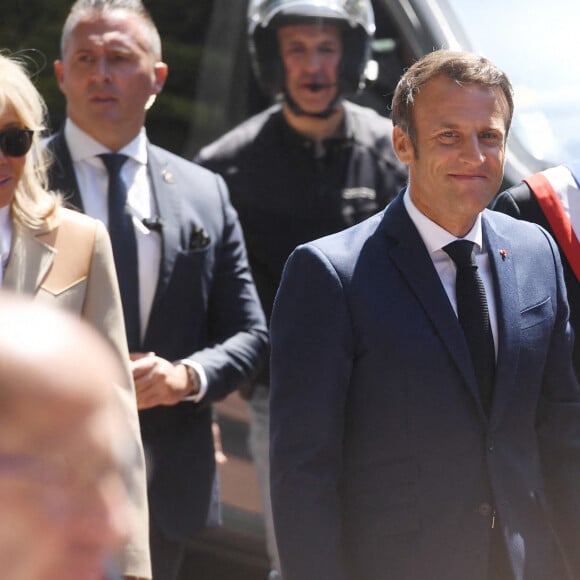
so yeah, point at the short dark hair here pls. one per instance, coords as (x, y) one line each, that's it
(82, 7)
(460, 66)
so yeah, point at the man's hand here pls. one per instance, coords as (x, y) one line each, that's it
(158, 381)
(220, 456)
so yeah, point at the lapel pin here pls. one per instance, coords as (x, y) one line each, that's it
(167, 176)
(503, 254)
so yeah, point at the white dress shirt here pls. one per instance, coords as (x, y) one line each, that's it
(5, 238)
(92, 178)
(435, 238)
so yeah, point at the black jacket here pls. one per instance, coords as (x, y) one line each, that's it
(286, 195)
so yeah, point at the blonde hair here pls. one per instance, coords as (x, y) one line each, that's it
(33, 205)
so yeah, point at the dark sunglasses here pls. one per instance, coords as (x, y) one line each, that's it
(15, 142)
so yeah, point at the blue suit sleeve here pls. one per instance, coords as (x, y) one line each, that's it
(311, 361)
(237, 332)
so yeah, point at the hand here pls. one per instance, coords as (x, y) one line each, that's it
(158, 381)
(220, 456)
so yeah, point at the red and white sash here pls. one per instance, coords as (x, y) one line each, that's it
(559, 221)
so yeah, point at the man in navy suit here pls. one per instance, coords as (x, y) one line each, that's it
(199, 331)
(388, 461)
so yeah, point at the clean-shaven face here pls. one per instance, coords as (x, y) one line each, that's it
(456, 168)
(108, 74)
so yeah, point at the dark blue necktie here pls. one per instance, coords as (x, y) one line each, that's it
(124, 244)
(473, 316)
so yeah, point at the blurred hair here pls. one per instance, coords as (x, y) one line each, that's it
(82, 8)
(460, 66)
(33, 205)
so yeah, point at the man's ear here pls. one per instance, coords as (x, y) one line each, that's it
(402, 145)
(58, 72)
(161, 71)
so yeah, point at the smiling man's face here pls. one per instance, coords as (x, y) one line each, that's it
(456, 166)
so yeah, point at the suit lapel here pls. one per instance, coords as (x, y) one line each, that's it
(411, 258)
(163, 181)
(508, 314)
(61, 172)
(165, 191)
(31, 257)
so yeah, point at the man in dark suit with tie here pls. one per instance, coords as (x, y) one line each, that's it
(195, 328)
(425, 416)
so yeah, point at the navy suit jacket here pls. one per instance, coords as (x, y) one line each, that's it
(384, 463)
(205, 309)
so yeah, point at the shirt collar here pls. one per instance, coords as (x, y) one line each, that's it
(433, 235)
(83, 147)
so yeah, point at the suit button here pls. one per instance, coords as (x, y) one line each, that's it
(491, 446)
(485, 509)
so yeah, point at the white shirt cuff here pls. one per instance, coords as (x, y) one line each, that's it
(202, 381)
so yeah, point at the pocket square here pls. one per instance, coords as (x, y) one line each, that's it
(199, 239)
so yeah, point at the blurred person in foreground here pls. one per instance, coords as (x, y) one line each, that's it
(551, 198)
(312, 164)
(65, 450)
(425, 415)
(61, 257)
(195, 328)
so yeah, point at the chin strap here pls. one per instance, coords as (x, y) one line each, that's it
(299, 111)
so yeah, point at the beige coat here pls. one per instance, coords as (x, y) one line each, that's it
(72, 266)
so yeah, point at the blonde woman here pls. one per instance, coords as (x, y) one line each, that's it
(61, 257)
